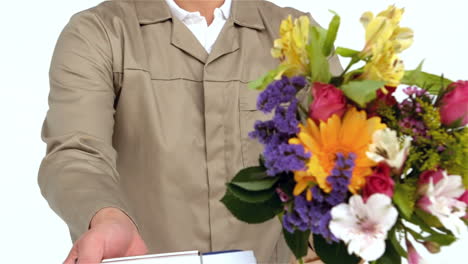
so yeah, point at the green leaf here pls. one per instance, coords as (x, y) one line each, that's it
(396, 244)
(362, 92)
(254, 179)
(441, 239)
(347, 53)
(405, 198)
(432, 83)
(335, 253)
(298, 242)
(252, 213)
(331, 34)
(319, 66)
(262, 82)
(415, 219)
(250, 196)
(428, 219)
(390, 256)
(417, 236)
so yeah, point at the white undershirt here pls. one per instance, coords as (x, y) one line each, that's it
(194, 21)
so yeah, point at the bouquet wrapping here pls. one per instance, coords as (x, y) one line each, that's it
(344, 162)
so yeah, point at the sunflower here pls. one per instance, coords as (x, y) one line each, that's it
(350, 135)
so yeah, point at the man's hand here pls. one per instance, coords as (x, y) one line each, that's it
(112, 234)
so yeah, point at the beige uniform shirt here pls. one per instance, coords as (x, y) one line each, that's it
(142, 118)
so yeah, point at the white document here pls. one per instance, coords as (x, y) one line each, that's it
(189, 257)
(241, 257)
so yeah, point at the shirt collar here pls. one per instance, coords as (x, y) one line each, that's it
(226, 8)
(245, 13)
(182, 14)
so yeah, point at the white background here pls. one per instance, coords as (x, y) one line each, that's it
(29, 231)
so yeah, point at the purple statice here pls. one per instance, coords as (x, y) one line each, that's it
(279, 92)
(285, 119)
(288, 223)
(298, 81)
(315, 215)
(267, 133)
(284, 157)
(299, 217)
(340, 178)
(264, 131)
(279, 155)
(309, 215)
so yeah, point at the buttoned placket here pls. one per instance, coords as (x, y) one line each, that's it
(227, 43)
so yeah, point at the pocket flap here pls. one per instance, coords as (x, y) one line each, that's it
(248, 98)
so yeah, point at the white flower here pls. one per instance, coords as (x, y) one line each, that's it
(387, 147)
(441, 200)
(364, 226)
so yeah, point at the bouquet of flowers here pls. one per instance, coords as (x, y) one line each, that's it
(345, 162)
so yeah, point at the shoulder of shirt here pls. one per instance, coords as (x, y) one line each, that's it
(273, 14)
(276, 11)
(108, 12)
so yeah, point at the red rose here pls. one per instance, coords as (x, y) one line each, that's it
(383, 99)
(328, 100)
(379, 182)
(455, 104)
(436, 176)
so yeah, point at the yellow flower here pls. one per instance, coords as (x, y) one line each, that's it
(385, 28)
(290, 48)
(385, 39)
(385, 66)
(352, 134)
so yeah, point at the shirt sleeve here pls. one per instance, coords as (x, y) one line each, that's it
(78, 174)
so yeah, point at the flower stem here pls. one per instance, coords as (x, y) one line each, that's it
(350, 64)
(303, 110)
(303, 113)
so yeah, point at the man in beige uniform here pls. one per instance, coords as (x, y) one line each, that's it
(145, 127)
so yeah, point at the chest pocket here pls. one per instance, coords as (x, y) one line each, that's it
(248, 115)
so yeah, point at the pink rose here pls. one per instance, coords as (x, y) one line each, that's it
(436, 176)
(379, 182)
(454, 104)
(328, 100)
